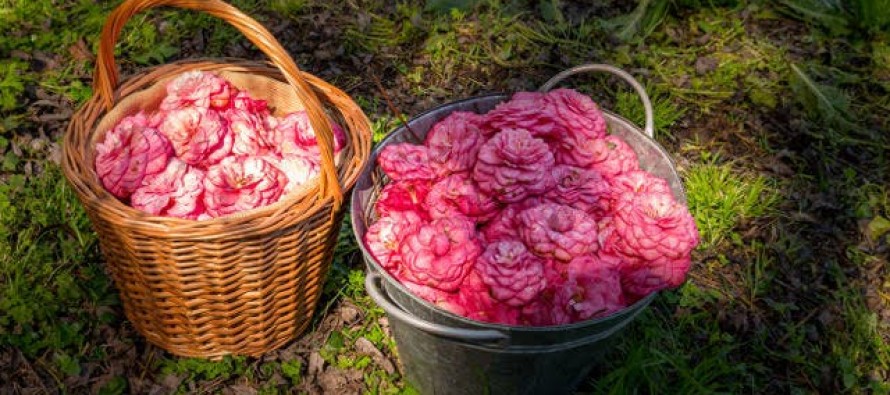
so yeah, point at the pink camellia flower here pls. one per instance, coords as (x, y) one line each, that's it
(471, 300)
(551, 308)
(197, 89)
(629, 184)
(653, 226)
(433, 295)
(637, 182)
(248, 133)
(293, 135)
(513, 165)
(474, 301)
(241, 183)
(555, 271)
(577, 115)
(580, 124)
(441, 253)
(407, 195)
(406, 162)
(557, 231)
(175, 192)
(559, 115)
(639, 278)
(595, 288)
(655, 234)
(130, 152)
(298, 169)
(524, 110)
(515, 275)
(454, 143)
(156, 119)
(504, 225)
(604, 234)
(579, 188)
(385, 236)
(457, 195)
(244, 102)
(200, 137)
(610, 156)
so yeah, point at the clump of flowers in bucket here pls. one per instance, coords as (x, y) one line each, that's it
(209, 150)
(531, 214)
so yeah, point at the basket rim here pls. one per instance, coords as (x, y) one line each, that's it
(94, 195)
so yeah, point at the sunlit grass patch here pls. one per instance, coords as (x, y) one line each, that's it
(385, 35)
(382, 126)
(11, 84)
(501, 36)
(576, 43)
(666, 111)
(720, 199)
(453, 44)
(289, 8)
(729, 62)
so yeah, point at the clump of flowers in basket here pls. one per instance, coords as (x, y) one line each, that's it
(210, 150)
(528, 215)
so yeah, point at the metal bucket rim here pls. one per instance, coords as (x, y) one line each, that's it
(354, 211)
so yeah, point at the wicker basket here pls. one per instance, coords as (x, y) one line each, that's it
(243, 284)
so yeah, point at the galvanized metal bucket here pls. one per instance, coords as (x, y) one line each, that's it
(442, 353)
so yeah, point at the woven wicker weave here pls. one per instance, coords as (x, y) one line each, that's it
(243, 284)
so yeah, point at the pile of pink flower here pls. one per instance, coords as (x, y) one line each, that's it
(209, 151)
(528, 215)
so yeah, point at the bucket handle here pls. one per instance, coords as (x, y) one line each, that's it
(649, 128)
(462, 335)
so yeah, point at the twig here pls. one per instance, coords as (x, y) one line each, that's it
(797, 325)
(31, 371)
(47, 368)
(147, 364)
(392, 108)
(213, 385)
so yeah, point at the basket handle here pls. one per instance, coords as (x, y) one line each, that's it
(461, 335)
(649, 128)
(106, 73)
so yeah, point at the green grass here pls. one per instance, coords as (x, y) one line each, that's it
(658, 355)
(202, 369)
(665, 111)
(731, 61)
(383, 34)
(54, 294)
(720, 199)
(289, 8)
(842, 18)
(11, 86)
